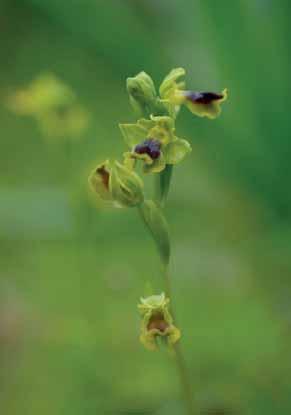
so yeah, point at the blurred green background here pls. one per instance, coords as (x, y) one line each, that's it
(71, 274)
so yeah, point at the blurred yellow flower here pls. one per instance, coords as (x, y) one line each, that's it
(54, 106)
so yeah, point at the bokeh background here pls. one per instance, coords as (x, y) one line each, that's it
(71, 273)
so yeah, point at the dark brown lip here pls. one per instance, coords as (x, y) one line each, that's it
(151, 147)
(203, 97)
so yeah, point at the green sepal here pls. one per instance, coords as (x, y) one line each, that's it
(155, 221)
(99, 182)
(176, 151)
(133, 133)
(126, 186)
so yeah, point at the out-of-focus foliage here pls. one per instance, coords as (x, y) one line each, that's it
(71, 274)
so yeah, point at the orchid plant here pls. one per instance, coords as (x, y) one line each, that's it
(153, 143)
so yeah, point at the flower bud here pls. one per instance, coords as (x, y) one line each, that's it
(157, 322)
(126, 186)
(142, 93)
(117, 185)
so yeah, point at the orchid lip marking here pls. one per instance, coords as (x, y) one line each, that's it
(202, 97)
(151, 147)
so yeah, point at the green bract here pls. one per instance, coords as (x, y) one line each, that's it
(153, 141)
(116, 185)
(157, 322)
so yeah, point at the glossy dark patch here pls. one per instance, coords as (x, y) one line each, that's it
(203, 97)
(151, 147)
(104, 176)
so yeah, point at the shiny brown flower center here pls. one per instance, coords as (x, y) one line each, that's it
(203, 97)
(158, 322)
(151, 147)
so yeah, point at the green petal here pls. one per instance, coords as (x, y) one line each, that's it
(163, 129)
(176, 151)
(153, 302)
(164, 122)
(169, 83)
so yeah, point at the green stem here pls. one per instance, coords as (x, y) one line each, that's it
(179, 358)
(184, 378)
(161, 192)
(168, 288)
(152, 215)
(162, 185)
